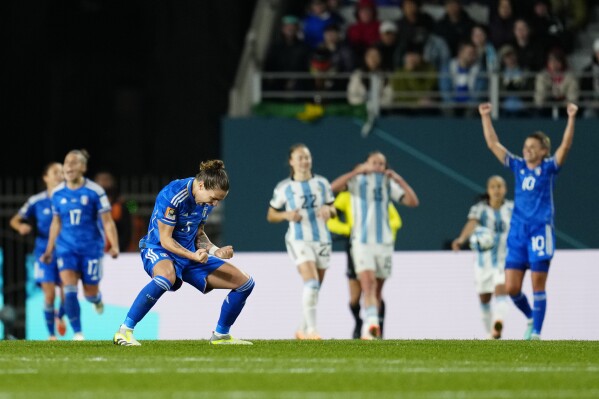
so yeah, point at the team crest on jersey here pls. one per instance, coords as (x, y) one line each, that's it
(538, 171)
(84, 200)
(204, 212)
(170, 213)
(46, 211)
(63, 201)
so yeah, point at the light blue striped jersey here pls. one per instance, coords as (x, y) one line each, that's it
(498, 220)
(79, 211)
(533, 194)
(307, 196)
(370, 195)
(38, 208)
(176, 206)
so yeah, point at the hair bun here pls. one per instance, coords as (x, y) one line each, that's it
(214, 164)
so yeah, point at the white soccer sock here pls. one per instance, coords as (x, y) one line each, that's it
(309, 302)
(372, 315)
(485, 309)
(502, 305)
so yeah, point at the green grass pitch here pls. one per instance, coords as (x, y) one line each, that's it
(341, 369)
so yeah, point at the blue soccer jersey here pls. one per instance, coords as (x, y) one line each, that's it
(176, 206)
(533, 197)
(79, 211)
(39, 208)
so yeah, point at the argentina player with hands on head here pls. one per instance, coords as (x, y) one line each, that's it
(531, 237)
(487, 227)
(38, 209)
(79, 207)
(176, 250)
(372, 185)
(305, 201)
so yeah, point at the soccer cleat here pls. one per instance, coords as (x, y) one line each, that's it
(227, 339)
(124, 337)
(61, 326)
(314, 336)
(497, 328)
(372, 332)
(357, 330)
(535, 337)
(99, 307)
(78, 337)
(52, 338)
(299, 334)
(528, 332)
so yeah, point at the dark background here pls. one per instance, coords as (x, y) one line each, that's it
(140, 84)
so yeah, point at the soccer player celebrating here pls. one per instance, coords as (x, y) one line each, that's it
(38, 209)
(493, 212)
(372, 185)
(176, 250)
(531, 240)
(306, 201)
(79, 205)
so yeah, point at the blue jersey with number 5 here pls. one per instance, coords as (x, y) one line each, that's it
(79, 211)
(533, 194)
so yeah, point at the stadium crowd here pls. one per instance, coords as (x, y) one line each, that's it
(430, 62)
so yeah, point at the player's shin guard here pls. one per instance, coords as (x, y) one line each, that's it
(71, 307)
(146, 298)
(49, 317)
(501, 307)
(521, 303)
(232, 306)
(94, 298)
(309, 302)
(486, 316)
(538, 312)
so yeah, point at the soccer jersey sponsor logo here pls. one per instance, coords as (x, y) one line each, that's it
(170, 213)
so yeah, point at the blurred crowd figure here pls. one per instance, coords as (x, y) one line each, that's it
(120, 213)
(526, 42)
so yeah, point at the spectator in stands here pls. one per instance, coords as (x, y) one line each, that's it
(387, 44)
(501, 24)
(413, 27)
(365, 31)
(324, 83)
(120, 212)
(574, 13)
(334, 7)
(590, 83)
(342, 57)
(461, 82)
(548, 28)
(415, 84)
(287, 54)
(514, 79)
(315, 22)
(454, 26)
(359, 88)
(435, 49)
(530, 53)
(486, 54)
(556, 85)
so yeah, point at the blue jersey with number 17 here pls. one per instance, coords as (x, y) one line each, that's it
(175, 206)
(79, 211)
(533, 197)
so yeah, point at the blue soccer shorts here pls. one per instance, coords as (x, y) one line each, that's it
(530, 246)
(89, 267)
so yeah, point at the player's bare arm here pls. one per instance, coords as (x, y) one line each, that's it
(276, 216)
(467, 231)
(340, 183)
(410, 198)
(111, 234)
(170, 244)
(562, 151)
(489, 131)
(55, 228)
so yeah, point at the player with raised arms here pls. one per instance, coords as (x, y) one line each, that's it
(176, 250)
(305, 201)
(531, 237)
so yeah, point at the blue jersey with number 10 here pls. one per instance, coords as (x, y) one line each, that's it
(79, 211)
(533, 197)
(175, 206)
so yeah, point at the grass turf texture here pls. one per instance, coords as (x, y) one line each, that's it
(307, 369)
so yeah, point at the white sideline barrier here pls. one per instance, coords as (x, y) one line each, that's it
(429, 296)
